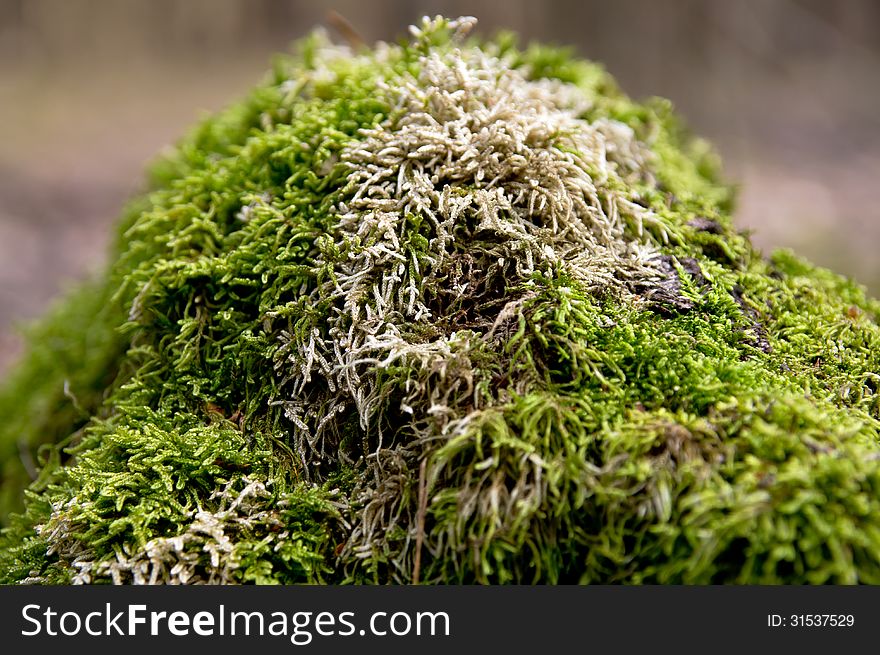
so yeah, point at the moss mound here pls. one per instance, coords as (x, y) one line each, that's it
(445, 311)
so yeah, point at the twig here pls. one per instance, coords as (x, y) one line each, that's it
(420, 522)
(339, 23)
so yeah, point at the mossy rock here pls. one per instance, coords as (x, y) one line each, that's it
(444, 311)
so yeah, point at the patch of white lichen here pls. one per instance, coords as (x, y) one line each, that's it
(509, 181)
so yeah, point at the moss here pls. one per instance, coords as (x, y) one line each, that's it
(447, 311)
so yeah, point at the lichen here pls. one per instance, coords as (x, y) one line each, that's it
(445, 311)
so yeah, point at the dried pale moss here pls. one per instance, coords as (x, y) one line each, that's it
(446, 311)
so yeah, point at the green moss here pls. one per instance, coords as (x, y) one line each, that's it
(462, 267)
(73, 356)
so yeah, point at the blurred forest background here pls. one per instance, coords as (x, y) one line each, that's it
(91, 90)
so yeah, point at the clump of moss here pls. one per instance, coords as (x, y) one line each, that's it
(445, 311)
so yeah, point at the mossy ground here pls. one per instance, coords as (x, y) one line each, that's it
(599, 382)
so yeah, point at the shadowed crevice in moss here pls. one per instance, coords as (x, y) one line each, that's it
(463, 265)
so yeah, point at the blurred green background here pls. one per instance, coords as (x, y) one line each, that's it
(90, 90)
